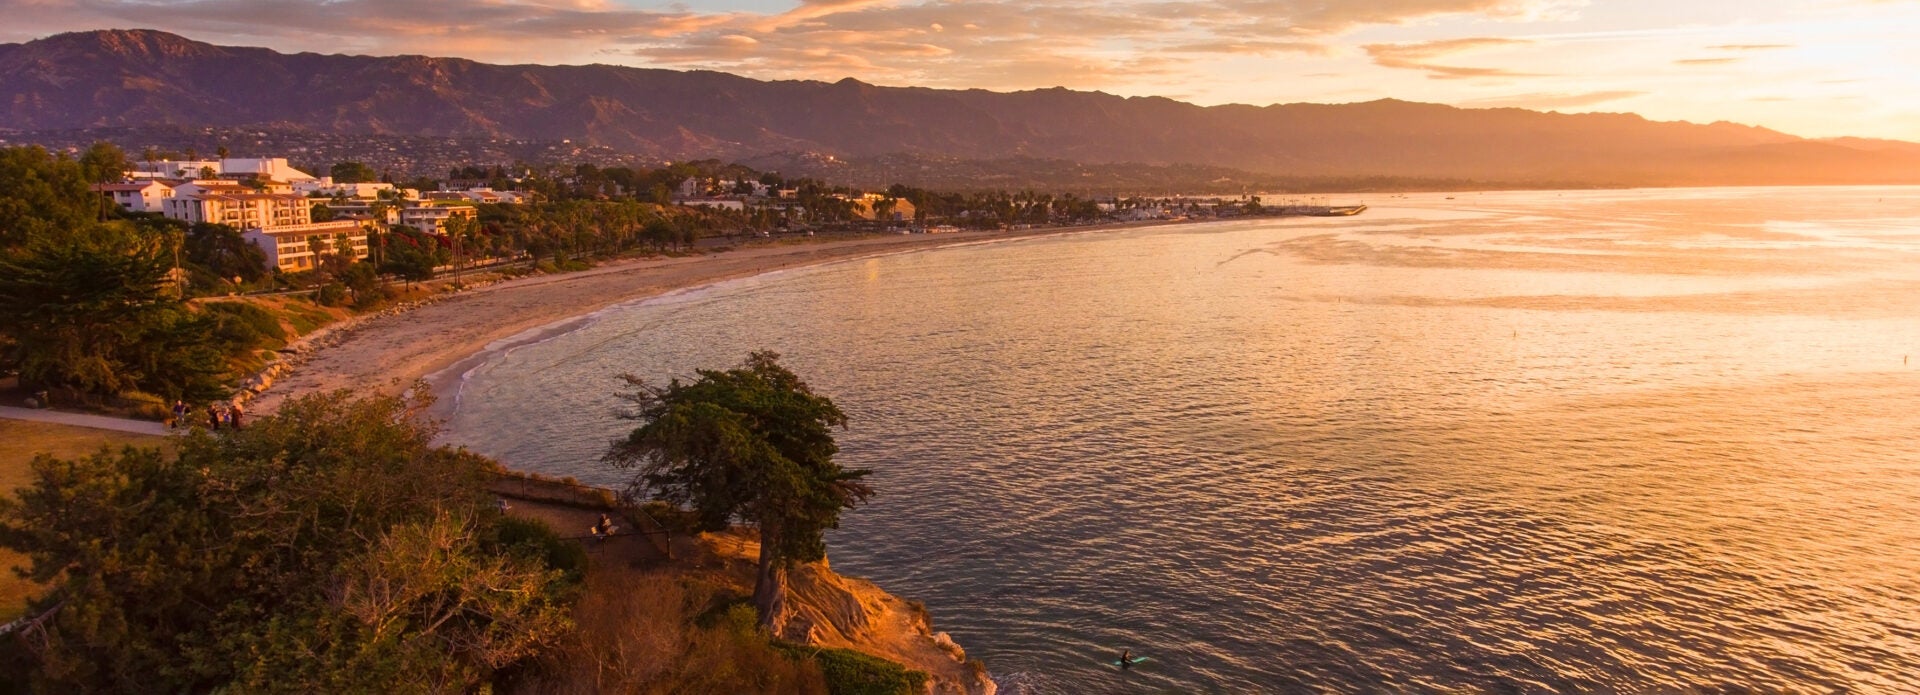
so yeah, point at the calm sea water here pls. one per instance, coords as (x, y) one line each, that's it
(1622, 441)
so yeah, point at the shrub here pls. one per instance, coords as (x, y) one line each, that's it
(532, 539)
(319, 550)
(331, 294)
(735, 656)
(849, 672)
(676, 520)
(243, 323)
(146, 406)
(374, 298)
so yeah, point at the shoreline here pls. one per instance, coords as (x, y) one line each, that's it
(441, 340)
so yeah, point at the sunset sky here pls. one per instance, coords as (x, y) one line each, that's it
(1807, 67)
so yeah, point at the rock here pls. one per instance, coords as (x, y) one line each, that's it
(945, 641)
(798, 630)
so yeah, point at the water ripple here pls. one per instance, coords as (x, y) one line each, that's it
(1341, 463)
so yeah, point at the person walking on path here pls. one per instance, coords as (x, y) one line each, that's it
(180, 412)
(233, 416)
(213, 418)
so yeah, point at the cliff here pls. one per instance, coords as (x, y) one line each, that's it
(646, 623)
(829, 610)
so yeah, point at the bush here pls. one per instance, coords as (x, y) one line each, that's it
(676, 520)
(373, 298)
(242, 323)
(735, 656)
(146, 406)
(856, 673)
(531, 539)
(331, 294)
(319, 550)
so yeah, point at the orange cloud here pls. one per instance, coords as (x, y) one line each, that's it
(1420, 56)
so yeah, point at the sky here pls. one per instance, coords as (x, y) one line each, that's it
(1814, 68)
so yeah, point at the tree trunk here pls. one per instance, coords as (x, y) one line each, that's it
(770, 584)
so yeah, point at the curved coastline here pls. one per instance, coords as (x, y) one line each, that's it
(445, 341)
(442, 340)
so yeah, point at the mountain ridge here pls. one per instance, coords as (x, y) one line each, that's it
(143, 78)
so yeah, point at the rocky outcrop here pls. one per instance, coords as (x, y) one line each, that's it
(827, 609)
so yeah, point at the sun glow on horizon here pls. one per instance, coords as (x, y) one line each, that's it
(1813, 68)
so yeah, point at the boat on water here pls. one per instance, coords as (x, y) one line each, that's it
(1340, 211)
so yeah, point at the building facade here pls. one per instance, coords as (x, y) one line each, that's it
(281, 224)
(294, 248)
(139, 196)
(432, 219)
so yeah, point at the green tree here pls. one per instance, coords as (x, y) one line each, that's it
(411, 255)
(224, 252)
(74, 307)
(752, 442)
(327, 548)
(353, 172)
(42, 195)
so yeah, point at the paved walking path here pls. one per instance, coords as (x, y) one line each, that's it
(98, 422)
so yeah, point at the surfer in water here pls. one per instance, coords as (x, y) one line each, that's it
(1126, 658)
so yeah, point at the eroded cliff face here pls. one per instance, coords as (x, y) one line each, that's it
(829, 610)
(822, 608)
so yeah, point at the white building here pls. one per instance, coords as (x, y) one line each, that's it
(270, 169)
(293, 248)
(690, 188)
(138, 196)
(432, 219)
(281, 224)
(175, 168)
(326, 187)
(480, 194)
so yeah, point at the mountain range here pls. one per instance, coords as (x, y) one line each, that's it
(146, 78)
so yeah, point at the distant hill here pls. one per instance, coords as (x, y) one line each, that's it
(143, 78)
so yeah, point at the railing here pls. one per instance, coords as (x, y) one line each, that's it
(586, 496)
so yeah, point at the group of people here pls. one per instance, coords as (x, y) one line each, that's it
(217, 415)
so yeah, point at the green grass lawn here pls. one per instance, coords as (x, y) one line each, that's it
(19, 442)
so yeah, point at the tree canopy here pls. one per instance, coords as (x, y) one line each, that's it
(329, 547)
(753, 443)
(94, 305)
(353, 172)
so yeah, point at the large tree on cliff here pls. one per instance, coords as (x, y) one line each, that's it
(754, 443)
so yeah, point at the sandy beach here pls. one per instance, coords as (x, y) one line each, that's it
(389, 352)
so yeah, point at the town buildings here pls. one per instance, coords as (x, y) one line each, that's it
(136, 196)
(281, 224)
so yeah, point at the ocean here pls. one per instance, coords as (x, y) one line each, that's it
(1577, 441)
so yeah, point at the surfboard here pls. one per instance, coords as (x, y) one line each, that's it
(1138, 660)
